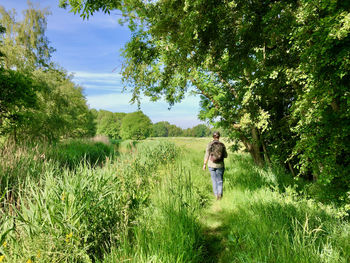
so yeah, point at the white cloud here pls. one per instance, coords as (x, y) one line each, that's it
(94, 75)
(98, 81)
(102, 88)
(112, 101)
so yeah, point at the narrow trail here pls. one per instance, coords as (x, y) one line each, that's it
(213, 233)
(216, 231)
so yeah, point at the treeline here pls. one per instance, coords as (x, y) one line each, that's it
(38, 100)
(137, 126)
(275, 73)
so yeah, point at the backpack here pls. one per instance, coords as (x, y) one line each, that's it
(216, 152)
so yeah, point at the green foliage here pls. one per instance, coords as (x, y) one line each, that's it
(72, 153)
(199, 130)
(160, 129)
(38, 100)
(136, 126)
(109, 123)
(62, 111)
(275, 73)
(18, 94)
(174, 131)
(165, 129)
(321, 111)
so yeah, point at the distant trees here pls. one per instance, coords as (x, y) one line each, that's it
(136, 126)
(174, 131)
(109, 123)
(165, 129)
(160, 129)
(199, 130)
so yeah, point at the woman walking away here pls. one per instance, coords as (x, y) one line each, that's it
(214, 157)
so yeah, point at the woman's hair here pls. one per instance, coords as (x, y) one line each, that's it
(216, 134)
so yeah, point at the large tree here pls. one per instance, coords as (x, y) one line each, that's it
(38, 100)
(25, 44)
(276, 73)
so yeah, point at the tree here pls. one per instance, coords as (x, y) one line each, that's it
(38, 100)
(61, 110)
(321, 109)
(17, 90)
(109, 123)
(136, 126)
(201, 130)
(17, 94)
(174, 131)
(160, 129)
(26, 46)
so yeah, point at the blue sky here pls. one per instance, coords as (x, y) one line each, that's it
(91, 50)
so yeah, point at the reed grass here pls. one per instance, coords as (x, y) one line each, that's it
(153, 203)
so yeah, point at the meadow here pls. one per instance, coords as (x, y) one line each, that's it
(150, 201)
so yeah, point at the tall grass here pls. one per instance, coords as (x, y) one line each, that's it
(168, 230)
(263, 218)
(153, 203)
(72, 153)
(77, 215)
(20, 164)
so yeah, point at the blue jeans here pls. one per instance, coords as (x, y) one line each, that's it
(217, 179)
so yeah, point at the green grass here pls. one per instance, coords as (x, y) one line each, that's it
(20, 164)
(72, 153)
(260, 219)
(78, 215)
(153, 203)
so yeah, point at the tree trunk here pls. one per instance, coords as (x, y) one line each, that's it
(291, 169)
(253, 146)
(255, 149)
(266, 154)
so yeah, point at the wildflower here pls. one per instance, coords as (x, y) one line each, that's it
(38, 255)
(4, 244)
(2, 258)
(63, 196)
(29, 261)
(69, 236)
